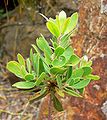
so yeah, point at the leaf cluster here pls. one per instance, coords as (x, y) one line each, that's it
(55, 69)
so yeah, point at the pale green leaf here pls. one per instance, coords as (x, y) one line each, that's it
(23, 71)
(65, 25)
(62, 18)
(93, 77)
(14, 67)
(73, 22)
(24, 85)
(53, 28)
(21, 60)
(28, 63)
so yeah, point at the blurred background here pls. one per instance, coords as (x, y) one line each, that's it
(21, 24)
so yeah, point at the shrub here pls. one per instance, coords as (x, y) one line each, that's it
(54, 69)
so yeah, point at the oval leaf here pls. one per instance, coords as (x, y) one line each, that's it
(66, 25)
(62, 17)
(77, 73)
(14, 67)
(87, 71)
(81, 84)
(24, 85)
(21, 60)
(73, 22)
(43, 45)
(53, 28)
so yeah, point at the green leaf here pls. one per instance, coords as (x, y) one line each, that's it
(24, 85)
(53, 28)
(46, 68)
(87, 71)
(73, 22)
(77, 73)
(35, 63)
(21, 60)
(43, 45)
(35, 48)
(71, 92)
(66, 25)
(34, 58)
(57, 70)
(93, 77)
(65, 40)
(41, 66)
(31, 55)
(56, 102)
(68, 53)
(69, 72)
(81, 84)
(59, 62)
(14, 67)
(40, 79)
(74, 60)
(29, 77)
(28, 63)
(62, 18)
(38, 52)
(59, 51)
(23, 71)
(59, 81)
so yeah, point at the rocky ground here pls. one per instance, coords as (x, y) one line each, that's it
(21, 30)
